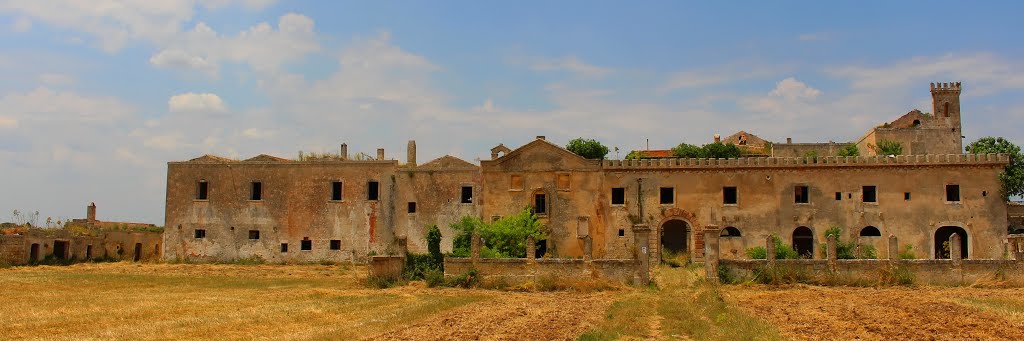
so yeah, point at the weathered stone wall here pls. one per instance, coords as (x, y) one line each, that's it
(117, 245)
(12, 249)
(521, 270)
(922, 271)
(437, 194)
(386, 267)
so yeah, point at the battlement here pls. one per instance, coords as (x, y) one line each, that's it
(951, 86)
(811, 162)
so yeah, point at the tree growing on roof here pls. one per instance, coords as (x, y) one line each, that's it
(711, 150)
(588, 148)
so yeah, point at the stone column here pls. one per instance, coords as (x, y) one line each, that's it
(894, 248)
(588, 248)
(954, 249)
(641, 234)
(410, 157)
(474, 247)
(531, 249)
(711, 234)
(831, 253)
(769, 246)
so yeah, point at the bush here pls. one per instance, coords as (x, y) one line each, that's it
(417, 265)
(469, 279)
(588, 148)
(908, 253)
(781, 275)
(847, 250)
(434, 244)
(895, 275)
(505, 238)
(710, 150)
(434, 278)
(782, 251)
(886, 147)
(849, 150)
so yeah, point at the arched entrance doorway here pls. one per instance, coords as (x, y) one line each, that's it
(803, 242)
(942, 241)
(674, 239)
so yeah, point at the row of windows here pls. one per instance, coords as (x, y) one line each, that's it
(801, 195)
(372, 192)
(304, 245)
(731, 231)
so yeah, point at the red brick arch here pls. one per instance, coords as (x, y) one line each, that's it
(673, 213)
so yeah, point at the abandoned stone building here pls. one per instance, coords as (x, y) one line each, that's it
(342, 209)
(82, 240)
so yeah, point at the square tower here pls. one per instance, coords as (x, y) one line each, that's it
(946, 108)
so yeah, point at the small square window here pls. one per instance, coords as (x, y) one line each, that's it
(801, 195)
(906, 196)
(730, 196)
(256, 192)
(202, 190)
(200, 234)
(562, 182)
(953, 193)
(667, 195)
(284, 247)
(622, 233)
(306, 245)
(254, 234)
(336, 187)
(618, 196)
(515, 182)
(839, 195)
(412, 207)
(372, 190)
(335, 244)
(467, 195)
(869, 194)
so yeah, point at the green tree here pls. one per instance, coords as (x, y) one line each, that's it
(887, 147)
(849, 150)
(504, 238)
(434, 244)
(588, 148)
(721, 150)
(686, 150)
(1012, 178)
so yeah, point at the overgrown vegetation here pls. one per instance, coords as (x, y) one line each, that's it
(427, 266)
(782, 251)
(848, 250)
(1012, 177)
(849, 150)
(887, 147)
(588, 148)
(895, 275)
(674, 259)
(504, 238)
(710, 151)
(907, 253)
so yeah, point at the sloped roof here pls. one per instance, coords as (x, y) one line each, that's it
(539, 143)
(211, 158)
(752, 140)
(448, 161)
(265, 157)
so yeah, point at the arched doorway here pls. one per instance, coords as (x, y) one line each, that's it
(942, 241)
(674, 239)
(803, 242)
(138, 252)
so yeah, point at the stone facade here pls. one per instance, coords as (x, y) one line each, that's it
(921, 198)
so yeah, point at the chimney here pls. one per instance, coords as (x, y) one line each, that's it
(789, 140)
(344, 151)
(718, 138)
(90, 214)
(380, 154)
(410, 158)
(540, 137)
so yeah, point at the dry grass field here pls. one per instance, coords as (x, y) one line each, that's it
(210, 301)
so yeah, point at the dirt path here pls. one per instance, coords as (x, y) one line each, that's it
(512, 316)
(806, 312)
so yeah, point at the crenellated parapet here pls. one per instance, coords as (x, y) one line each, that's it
(811, 162)
(951, 86)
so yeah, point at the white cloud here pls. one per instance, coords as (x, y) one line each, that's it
(196, 102)
(22, 24)
(56, 79)
(983, 72)
(792, 89)
(571, 64)
(8, 122)
(178, 59)
(46, 105)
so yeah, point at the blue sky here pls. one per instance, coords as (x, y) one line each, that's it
(96, 96)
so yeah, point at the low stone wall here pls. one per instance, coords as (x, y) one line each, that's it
(521, 270)
(116, 245)
(867, 271)
(386, 267)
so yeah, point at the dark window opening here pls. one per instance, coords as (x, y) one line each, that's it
(254, 234)
(60, 249)
(668, 195)
(906, 196)
(335, 244)
(803, 242)
(675, 235)
(917, 122)
(138, 252)
(88, 252)
(946, 109)
(372, 190)
(839, 195)
(284, 247)
(849, 195)
(200, 233)
(800, 195)
(540, 203)
(622, 233)
(467, 195)
(540, 249)
(952, 192)
(257, 191)
(336, 191)
(33, 253)
(984, 193)
(869, 194)
(412, 207)
(306, 244)
(729, 196)
(202, 190)
(618, 196)
(730, 232)
(870, 231)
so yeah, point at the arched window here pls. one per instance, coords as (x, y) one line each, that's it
(870, 231)
(803, 242)
(917, 122)
(730, 232)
